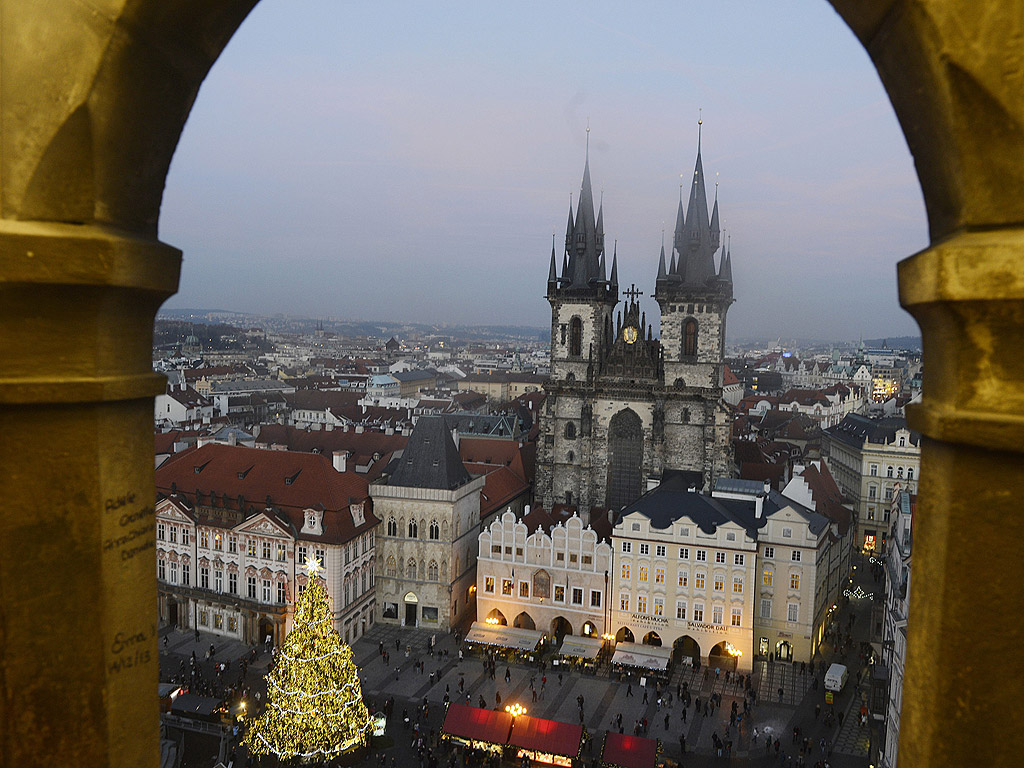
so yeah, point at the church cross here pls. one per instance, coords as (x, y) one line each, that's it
(633, 292)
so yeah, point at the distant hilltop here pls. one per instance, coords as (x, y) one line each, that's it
(895, 342)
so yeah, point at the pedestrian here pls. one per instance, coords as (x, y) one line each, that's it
(817, 711)
(645, 695)
(754, 736)
(666, 722)
(780, 693)
(684, 714)
(629, 690)
(682, 743)
(508, 674)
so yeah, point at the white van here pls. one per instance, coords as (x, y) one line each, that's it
(835, 678)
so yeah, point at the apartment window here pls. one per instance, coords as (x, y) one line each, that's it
(659, 575)
(218, 542)
(185, 536)
(218, 580)
(432, 571)
(233, 583)
(888, 494)
(766, 608)
(684, 531)
(768, 578)
(186, 574)
(680, 610)
(730, 536)
(587, 559)
(899, 471)
(160, 531)
(496, 550)
(232, 544)
(681, 578)
(641, 604)
(392, 527)
(659, 606)
(623, 602)
(659, 550)
(435, 531)
(391, 568)
(684, 553)
(903, 442)
(719, 583)
(737, 617)
(488, 584)
(698, 612)
(348, 555)
(411, 569)
(719, 557)
(250, 548)
(414, 529)
(321, 557)
(645, 549)
(595, 598)
(572, 557)
(173, 534)
(787, 533)
(627, 546)
(642, 572)
(174, 573)
(506, 586)
(232, 624)
(204, 577)
(873, 470)
(266, 590)
(524, 589)
(717, 614)
(204, 618)
(266, 550)
(702, 555)
(301, 553)
(281, 592)
(737, 585)
(872, 491)
(738, 559)
(250, 584)
(204, 539)
(793, 612)
(635, 526)
(888, 471)
(795, 554)
(910, 473)
(794, 581)
(769, 551)
(577, 596)
(559, 594)
(698, 581)
(282, 553)
(625, 571)
(161, 570)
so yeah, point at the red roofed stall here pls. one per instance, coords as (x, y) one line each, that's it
(546, 741)
(623, 751)
(478, 728)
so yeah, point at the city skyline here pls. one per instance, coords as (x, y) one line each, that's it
(349, 163)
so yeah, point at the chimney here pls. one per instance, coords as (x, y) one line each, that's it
(359, 429)
(767, 487)
(341, 460)
(455, 437)
(526, 510)
(232, 438)
(759, 505)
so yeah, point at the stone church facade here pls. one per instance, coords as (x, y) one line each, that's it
(623, 407)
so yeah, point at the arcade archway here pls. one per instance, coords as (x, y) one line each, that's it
(652, 638)
(624, 635)
(686, 649)
(723, 656)
(560, 627)
(496, 617)
(524, 621)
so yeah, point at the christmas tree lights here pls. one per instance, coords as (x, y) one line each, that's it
(315, 704)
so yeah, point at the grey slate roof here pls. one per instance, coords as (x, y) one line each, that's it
(672, 500)
(855, 428)
(431, 459)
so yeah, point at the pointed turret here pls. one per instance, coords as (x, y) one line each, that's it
(552, 273)
(600, 235)
(696, 257)
(661, 263)
(716, 232)
(584, 243)
(678, 241)
(568, 230)
(615, 268)
(725, 273)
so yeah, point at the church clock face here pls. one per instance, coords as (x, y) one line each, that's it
(629, 334)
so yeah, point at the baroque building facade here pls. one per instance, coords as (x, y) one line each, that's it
(622, 406)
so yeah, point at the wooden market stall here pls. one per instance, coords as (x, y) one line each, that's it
(546, 741)
(624, 751)
(477, 728)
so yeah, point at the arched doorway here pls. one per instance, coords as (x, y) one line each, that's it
(783, 651)
(589, 629)
(172, 612)
(524, 621)
(411, 606)
(266, 630)
(686, 649)
(723, 656)
(496, 617)
(652, 638)
(624, 635)
(625, 458)
(560, 627)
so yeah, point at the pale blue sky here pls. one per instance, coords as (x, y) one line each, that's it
(410, 161)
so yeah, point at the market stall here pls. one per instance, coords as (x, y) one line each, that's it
(477, 728)
(648, 658)
(546, 741)
(521, 642)
(579, 652)
(624, 751)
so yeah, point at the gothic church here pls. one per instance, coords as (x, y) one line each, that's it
(623, 407)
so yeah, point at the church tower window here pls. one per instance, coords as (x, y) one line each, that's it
(690, 338)
(575, 337)
(570, 431)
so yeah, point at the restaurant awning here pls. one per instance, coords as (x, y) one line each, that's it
(475, 724)
(624, 751)
(653, 657)
(504, 637)
(539, 735)
(580, 647)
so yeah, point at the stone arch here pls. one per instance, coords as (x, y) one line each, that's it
(524, 621)
(652, 638)
(93, 147)
(496, 617)
(560, 627)
(686, 649)
(625, 458)
(625, 635)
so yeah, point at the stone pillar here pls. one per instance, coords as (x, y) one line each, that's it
(78, 650)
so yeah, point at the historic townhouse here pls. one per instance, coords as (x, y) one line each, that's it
(554, 579)
(684, 572)
(897, 602)
(426, 557)
(234, 527)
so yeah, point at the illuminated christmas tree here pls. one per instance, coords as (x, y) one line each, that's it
(315, 707)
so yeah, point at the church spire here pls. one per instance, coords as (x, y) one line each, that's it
(715, 229)
(696, 257)
(661, 261)
(615, 267)
(552, 274)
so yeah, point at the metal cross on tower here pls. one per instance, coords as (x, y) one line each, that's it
(632, 293)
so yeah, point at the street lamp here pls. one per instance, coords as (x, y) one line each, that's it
(515, 709)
